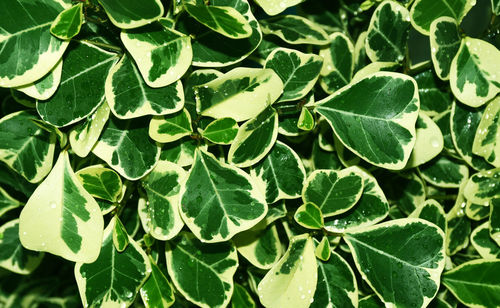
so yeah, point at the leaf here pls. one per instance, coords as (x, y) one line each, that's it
(101, 182)
(323, 250)
(458, 225)
(473, 72)
(295, 30)
(13, 256)
(424, 12)
(27, 49)
(495, 220)
(309, 216)
(7, 202)
(338, 66)
(292, 281)
(162, 54)
(222, 97)
(306, 120)
(81, 89)
(114, 278)
(429, 142)
(298, 71)
(25, 147)
(68, 22)
(445, 42)
(125, 147)
(476, 211)
(375, 67)
(443, 121)
(433, 100)
(482, 242)
(415, 256)
(281, 160)
(181, 152)
(212, 49)
(483, 186)
(61, 217)
(388, 33)
(274, 7)
(334, 192)
(444, 172)
(358, 125)
(125, 81)
(131, 14)
(157, 291)
(162, 187)
(241, 298)
(431, 211)
(222, 19)
(220, 131)
(336, 285)
(219, 200)
(171, 127)
(202, 273)
(197, 78)
(371, 208)
(254, 139)
(487, 134)
(120, 236)
(475, 283)
(406, 190)
(46, 86)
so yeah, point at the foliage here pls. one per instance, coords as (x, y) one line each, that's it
(277, 153)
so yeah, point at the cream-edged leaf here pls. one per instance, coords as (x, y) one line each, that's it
(68, 23)
(127, 14)
(487, 139)
(445, 42)
(170, 127)
(295, 29)
(101, 182)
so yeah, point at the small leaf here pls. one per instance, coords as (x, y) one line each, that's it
(431, 211)
(131, 14)
(338, 65)
(424, 12)
(101, 182)
(274, 7)
(483, 186)
(323, 250)
(68, 22)
(458, 226)
(241, 298)
(309, 216)
(220, 131)
(306, 120)
(433, 99)
(445, 42)
(157, 291)
(428, 144)
(295, 30)
(7, 203)
(444, 172)
(495, 220)
(487, 139)
(482, 242)
(120, 236)
(171, 127)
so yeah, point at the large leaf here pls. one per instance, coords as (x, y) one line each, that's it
(292, 281)
(202, 273)
(412, 261)
(26, 147)
(223, 97)
(474, 77)
(61, 217)
(475, 283)
(162, 54)
(127, 14)
(28, 51)
(487, 139)
(46, 86)
(338, 65)
(124, 81)
(82, 85)
(124, 145)
(445, 42)
(424, 12)
(113, 279)
(219, 200)
(295, 29)
(359, 113)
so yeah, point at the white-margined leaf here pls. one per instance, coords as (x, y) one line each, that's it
(128, 14)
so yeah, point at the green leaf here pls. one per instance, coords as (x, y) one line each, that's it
(68, 22)
(157, 291)
(495, 220)
(483, 243)
(25, 147)
(338, 65)
(487, 134)
(359, 112)
(13, 256)
(309, 216)
(27, 49)
(81, 90)
(124, 145)
(429, 141)
(295, 29)
(375, 67)
(197, 78)
(443, 121)
(274, 7)
(483, 186)
(241, 298)
(431, 211)
(162, 54)
(445, 42)
(476, 211)
(306, 120)
(292, 281)
(61, 217)
(433, 100)
(371, 208)
(323, 250)
(124, 81)
(219, 200)
(84, 135)
(334, 192)
(46, 86)
(444, 172)
(162, 187)
(202, 273)
(222, 19)
(474, 77)
(406, 190)
(128, 14)
(120, 236)
(7, 203)
(298, 71)
(222, 97)
(281, 160)
(254, 139)
(424, 12)
(388, 33)
(458, 225)
(171, 127)
(475, 283)
(413, 260)
(181, 152)
(220, 131)
(101, 182)
(114, 278)
(371, 301)
(336, 287)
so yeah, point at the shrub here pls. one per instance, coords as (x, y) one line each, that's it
(275, 153)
